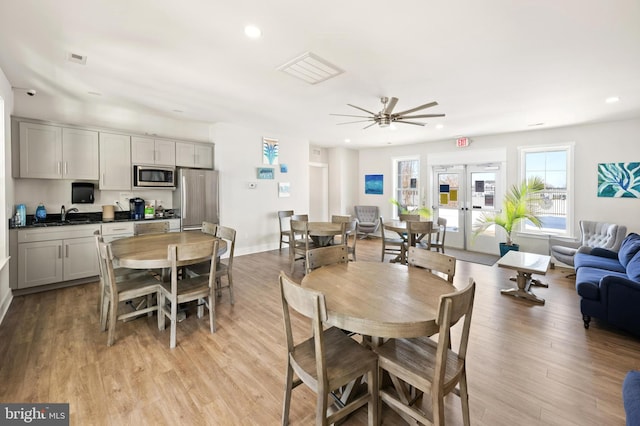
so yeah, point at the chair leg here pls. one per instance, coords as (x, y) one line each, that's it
(288, 387)
(113, 318)
(437, 400)
(321, 407)
(587, 320)
(373, 405)
(464, 399)
(212, 313)
(174, 323)
(229, 277)
(104, 312)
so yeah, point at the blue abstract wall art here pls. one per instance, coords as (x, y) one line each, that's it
(269, 151)
(619, 180)
(373, 184)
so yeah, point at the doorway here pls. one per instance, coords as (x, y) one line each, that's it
(318, 192)
(462, 193)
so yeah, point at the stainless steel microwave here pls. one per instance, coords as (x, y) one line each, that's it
(154, 177)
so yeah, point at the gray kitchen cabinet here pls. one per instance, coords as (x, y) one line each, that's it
(51, 255)
(115, 162)
(53, 152)
(153, 151)
(195, 155)
(116, 230)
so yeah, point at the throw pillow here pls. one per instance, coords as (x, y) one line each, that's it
(631, 397)
(630, 246)
(633, 268)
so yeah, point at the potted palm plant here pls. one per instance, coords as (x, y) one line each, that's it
(516, 207)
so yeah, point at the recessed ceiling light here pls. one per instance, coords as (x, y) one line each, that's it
(535, 124)
(95, 93)
(252, 31)
(178, 110)
(439, 126)
(612, 99)
(347, 141)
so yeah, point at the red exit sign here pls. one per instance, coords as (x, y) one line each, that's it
(462, 142)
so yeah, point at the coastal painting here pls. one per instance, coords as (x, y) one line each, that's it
(373, 184)
(619, 180)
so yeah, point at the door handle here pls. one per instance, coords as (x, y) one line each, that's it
(66, 250)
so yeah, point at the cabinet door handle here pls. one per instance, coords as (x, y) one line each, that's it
(102, 179)
(58, 164)
(66, 168)
(66, 250)
(60, 252)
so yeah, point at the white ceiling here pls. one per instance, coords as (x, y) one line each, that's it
(493, 66)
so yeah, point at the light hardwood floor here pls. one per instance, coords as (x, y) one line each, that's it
(528, 364)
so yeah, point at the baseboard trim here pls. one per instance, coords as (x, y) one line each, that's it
(4, 305)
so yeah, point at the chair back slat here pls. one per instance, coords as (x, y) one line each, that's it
(326, 256)
(433, 261)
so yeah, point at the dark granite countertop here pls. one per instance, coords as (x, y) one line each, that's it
(83, 218)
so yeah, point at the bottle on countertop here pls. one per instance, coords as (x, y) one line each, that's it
(21, 213)
(41, 212)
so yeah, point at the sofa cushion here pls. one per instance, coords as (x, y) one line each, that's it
(630, 246)
(591, 261)
(631, 397)
(633, 268)
(588, 281)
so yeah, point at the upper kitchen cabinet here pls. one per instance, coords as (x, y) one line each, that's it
(52, 152)
(197, 155)
(115, 161)
(153, 151)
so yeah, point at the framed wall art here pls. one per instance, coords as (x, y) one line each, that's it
(270, 151)
(265, 173)
(619, 180)
(283, 189)
(373, 184)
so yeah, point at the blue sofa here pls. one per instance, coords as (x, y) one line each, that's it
(608, 284)
(631, 397)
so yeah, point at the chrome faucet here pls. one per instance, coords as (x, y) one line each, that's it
(64, 213)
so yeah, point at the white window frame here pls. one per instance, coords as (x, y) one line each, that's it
(395, 172)
(569, 148)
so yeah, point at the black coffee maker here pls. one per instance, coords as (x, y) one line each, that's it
(136, 208)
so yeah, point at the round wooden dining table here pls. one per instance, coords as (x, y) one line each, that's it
(384, 300)
(150, 251)
(322, 233)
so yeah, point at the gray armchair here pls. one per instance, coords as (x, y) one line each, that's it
(594, 234)
(368, 219)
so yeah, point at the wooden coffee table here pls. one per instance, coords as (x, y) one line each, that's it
(525, 264)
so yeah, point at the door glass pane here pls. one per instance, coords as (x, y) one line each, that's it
(483, 196)
(449, 199)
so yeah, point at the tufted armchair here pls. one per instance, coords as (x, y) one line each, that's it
(594, 234)
(368, 219)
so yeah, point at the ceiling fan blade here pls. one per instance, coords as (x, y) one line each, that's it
(349, 115)
(410, 122)
(418, 108)
(362, 109)
(350, 122)
(366, 127)
(390, 105)
(420, 116)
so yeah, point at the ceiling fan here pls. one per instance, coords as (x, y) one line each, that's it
(386, 116)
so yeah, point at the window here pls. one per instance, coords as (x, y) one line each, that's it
(552, 164)
(405, 186)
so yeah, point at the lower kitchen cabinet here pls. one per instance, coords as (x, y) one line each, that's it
(45, 258)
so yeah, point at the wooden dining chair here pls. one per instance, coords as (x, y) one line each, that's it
(329, 255)
(300, 242)
(326, 361)
(433, 261)
(120, 275)
(438, 241)
(405, 217)
(419, 234)
(225, 266)
(143, 228)
(209, 228)
(350, 236)
(300, 217)
(123, 290)
(431, 367)
(189, 288)
(391, 245)
(284, 217)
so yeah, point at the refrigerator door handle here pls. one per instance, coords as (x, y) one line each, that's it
(183, 207)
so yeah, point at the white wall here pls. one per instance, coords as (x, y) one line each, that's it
(6, 190)
(343, 180)
(594, 143)
(253, 212)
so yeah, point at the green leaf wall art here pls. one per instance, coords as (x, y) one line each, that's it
(620, 180)
(269, 151)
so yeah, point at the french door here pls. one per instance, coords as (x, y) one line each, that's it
(462, 193)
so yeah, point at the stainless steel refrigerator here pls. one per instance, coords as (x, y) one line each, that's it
(196, 198)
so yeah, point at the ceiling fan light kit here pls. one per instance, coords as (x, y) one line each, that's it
(386, 116)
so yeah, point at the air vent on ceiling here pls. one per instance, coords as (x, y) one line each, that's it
(311, 68)
(78, 59)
